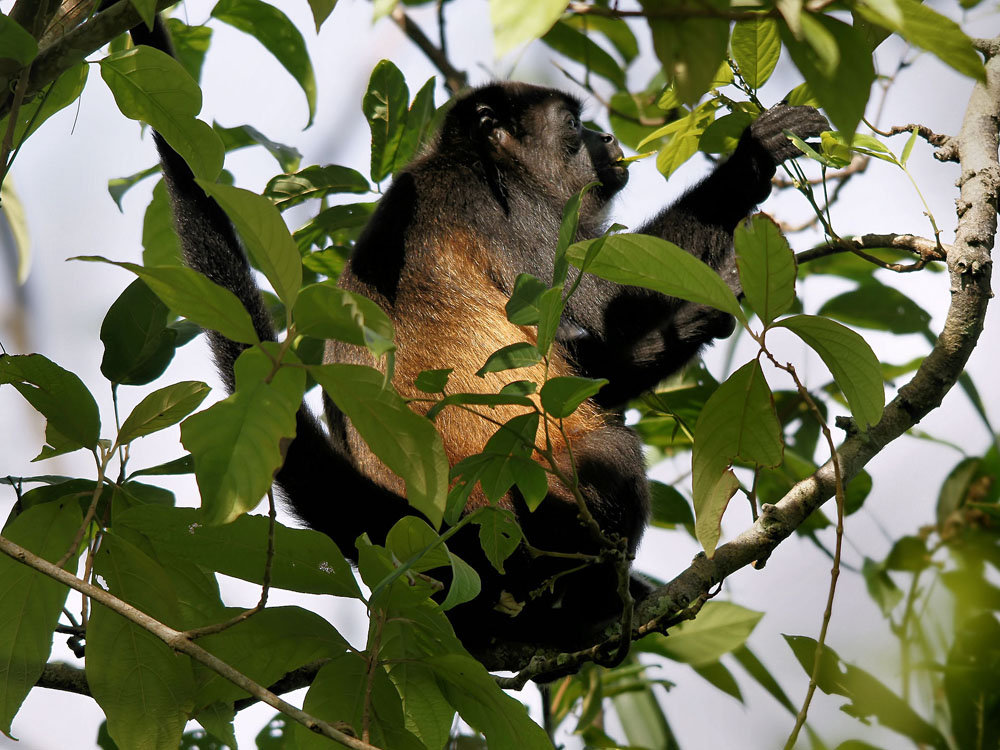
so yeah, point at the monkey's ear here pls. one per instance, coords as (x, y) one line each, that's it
(490, 129)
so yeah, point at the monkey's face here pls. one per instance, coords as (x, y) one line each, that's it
(536, 139)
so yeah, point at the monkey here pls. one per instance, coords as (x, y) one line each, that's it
(440, 255)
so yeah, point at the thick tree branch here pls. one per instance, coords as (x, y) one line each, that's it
(74, 46)
(178, 641)
(970, 266)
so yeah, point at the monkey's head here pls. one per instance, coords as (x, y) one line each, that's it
(533, 137)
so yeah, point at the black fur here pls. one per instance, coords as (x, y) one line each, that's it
(451, 235)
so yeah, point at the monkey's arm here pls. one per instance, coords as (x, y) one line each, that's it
(634, 337)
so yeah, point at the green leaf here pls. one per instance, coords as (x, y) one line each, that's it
(561, 396)
(417, 131)
(843, 90)
(145, 689)
(242, 136)
(516, 22)
(908, 148)
(72, 419)
(511, 357)
(749, 661)
(287, 190)
(484, 706)
(385, 106)
(161, 409)
(160, 246)
(337, 695)
(326, 311)
(723, 135)
(328, 223)
(190, 294)
(191, 44)
(716, 674)
(504, 461)
(767, 267)
(719, 628)
(30, 602)
(577, 46)
(480, 399)
(868, 697)
(261, 648)
(879, 307)
(822, 43)
(669, 507)
(271, 27)
(60, 94)
(616, 30)
(737, 422)
(182, 465)
(304, 560)
(236, 443)
(433, 381)
(499, 534)
(850, 359)
(138, 345)
(118, 186)
(151, 86)
(321, 10)
(756, 48)
(643, 260)
(522, 307)
(928, 29)
(264, 235)
(691, 50)
(406, 442)
(17, 45)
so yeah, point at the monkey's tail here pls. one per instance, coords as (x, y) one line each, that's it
(320, 481)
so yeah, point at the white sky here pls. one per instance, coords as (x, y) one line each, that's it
(61, 176)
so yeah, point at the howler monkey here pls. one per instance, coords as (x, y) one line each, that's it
(440, 255)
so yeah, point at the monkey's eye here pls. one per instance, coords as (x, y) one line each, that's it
(572, 121)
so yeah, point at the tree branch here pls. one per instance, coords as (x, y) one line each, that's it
(73, 47)
(178, 641)
(454, 79)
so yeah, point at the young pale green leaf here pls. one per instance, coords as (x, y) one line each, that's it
(516, 22)
(265, 236)
(821, 41)
(151, 86)
(522, 307)
(192, 295)
(17, 44)
(766, 265)
(30, 601)
(419, 121)
(406, 442)
(271, 27)
(161, 409)
(737, 422)
(852, 362)
(287, 190)
(561, 396)
(756, 48)
(576, 45)
(138, 345)
(908, 148)
(145, 689)
(499, 535)
(511, 357)
(242, 136)
(304, 560)
(843, 90)
(647, 261)
(720, 628)
(326, 311)
(385, 105)
(691, 50)
(72, 419)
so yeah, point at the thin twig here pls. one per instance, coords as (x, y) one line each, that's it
(455, 80)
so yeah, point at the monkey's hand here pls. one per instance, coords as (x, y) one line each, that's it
(768, 129)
